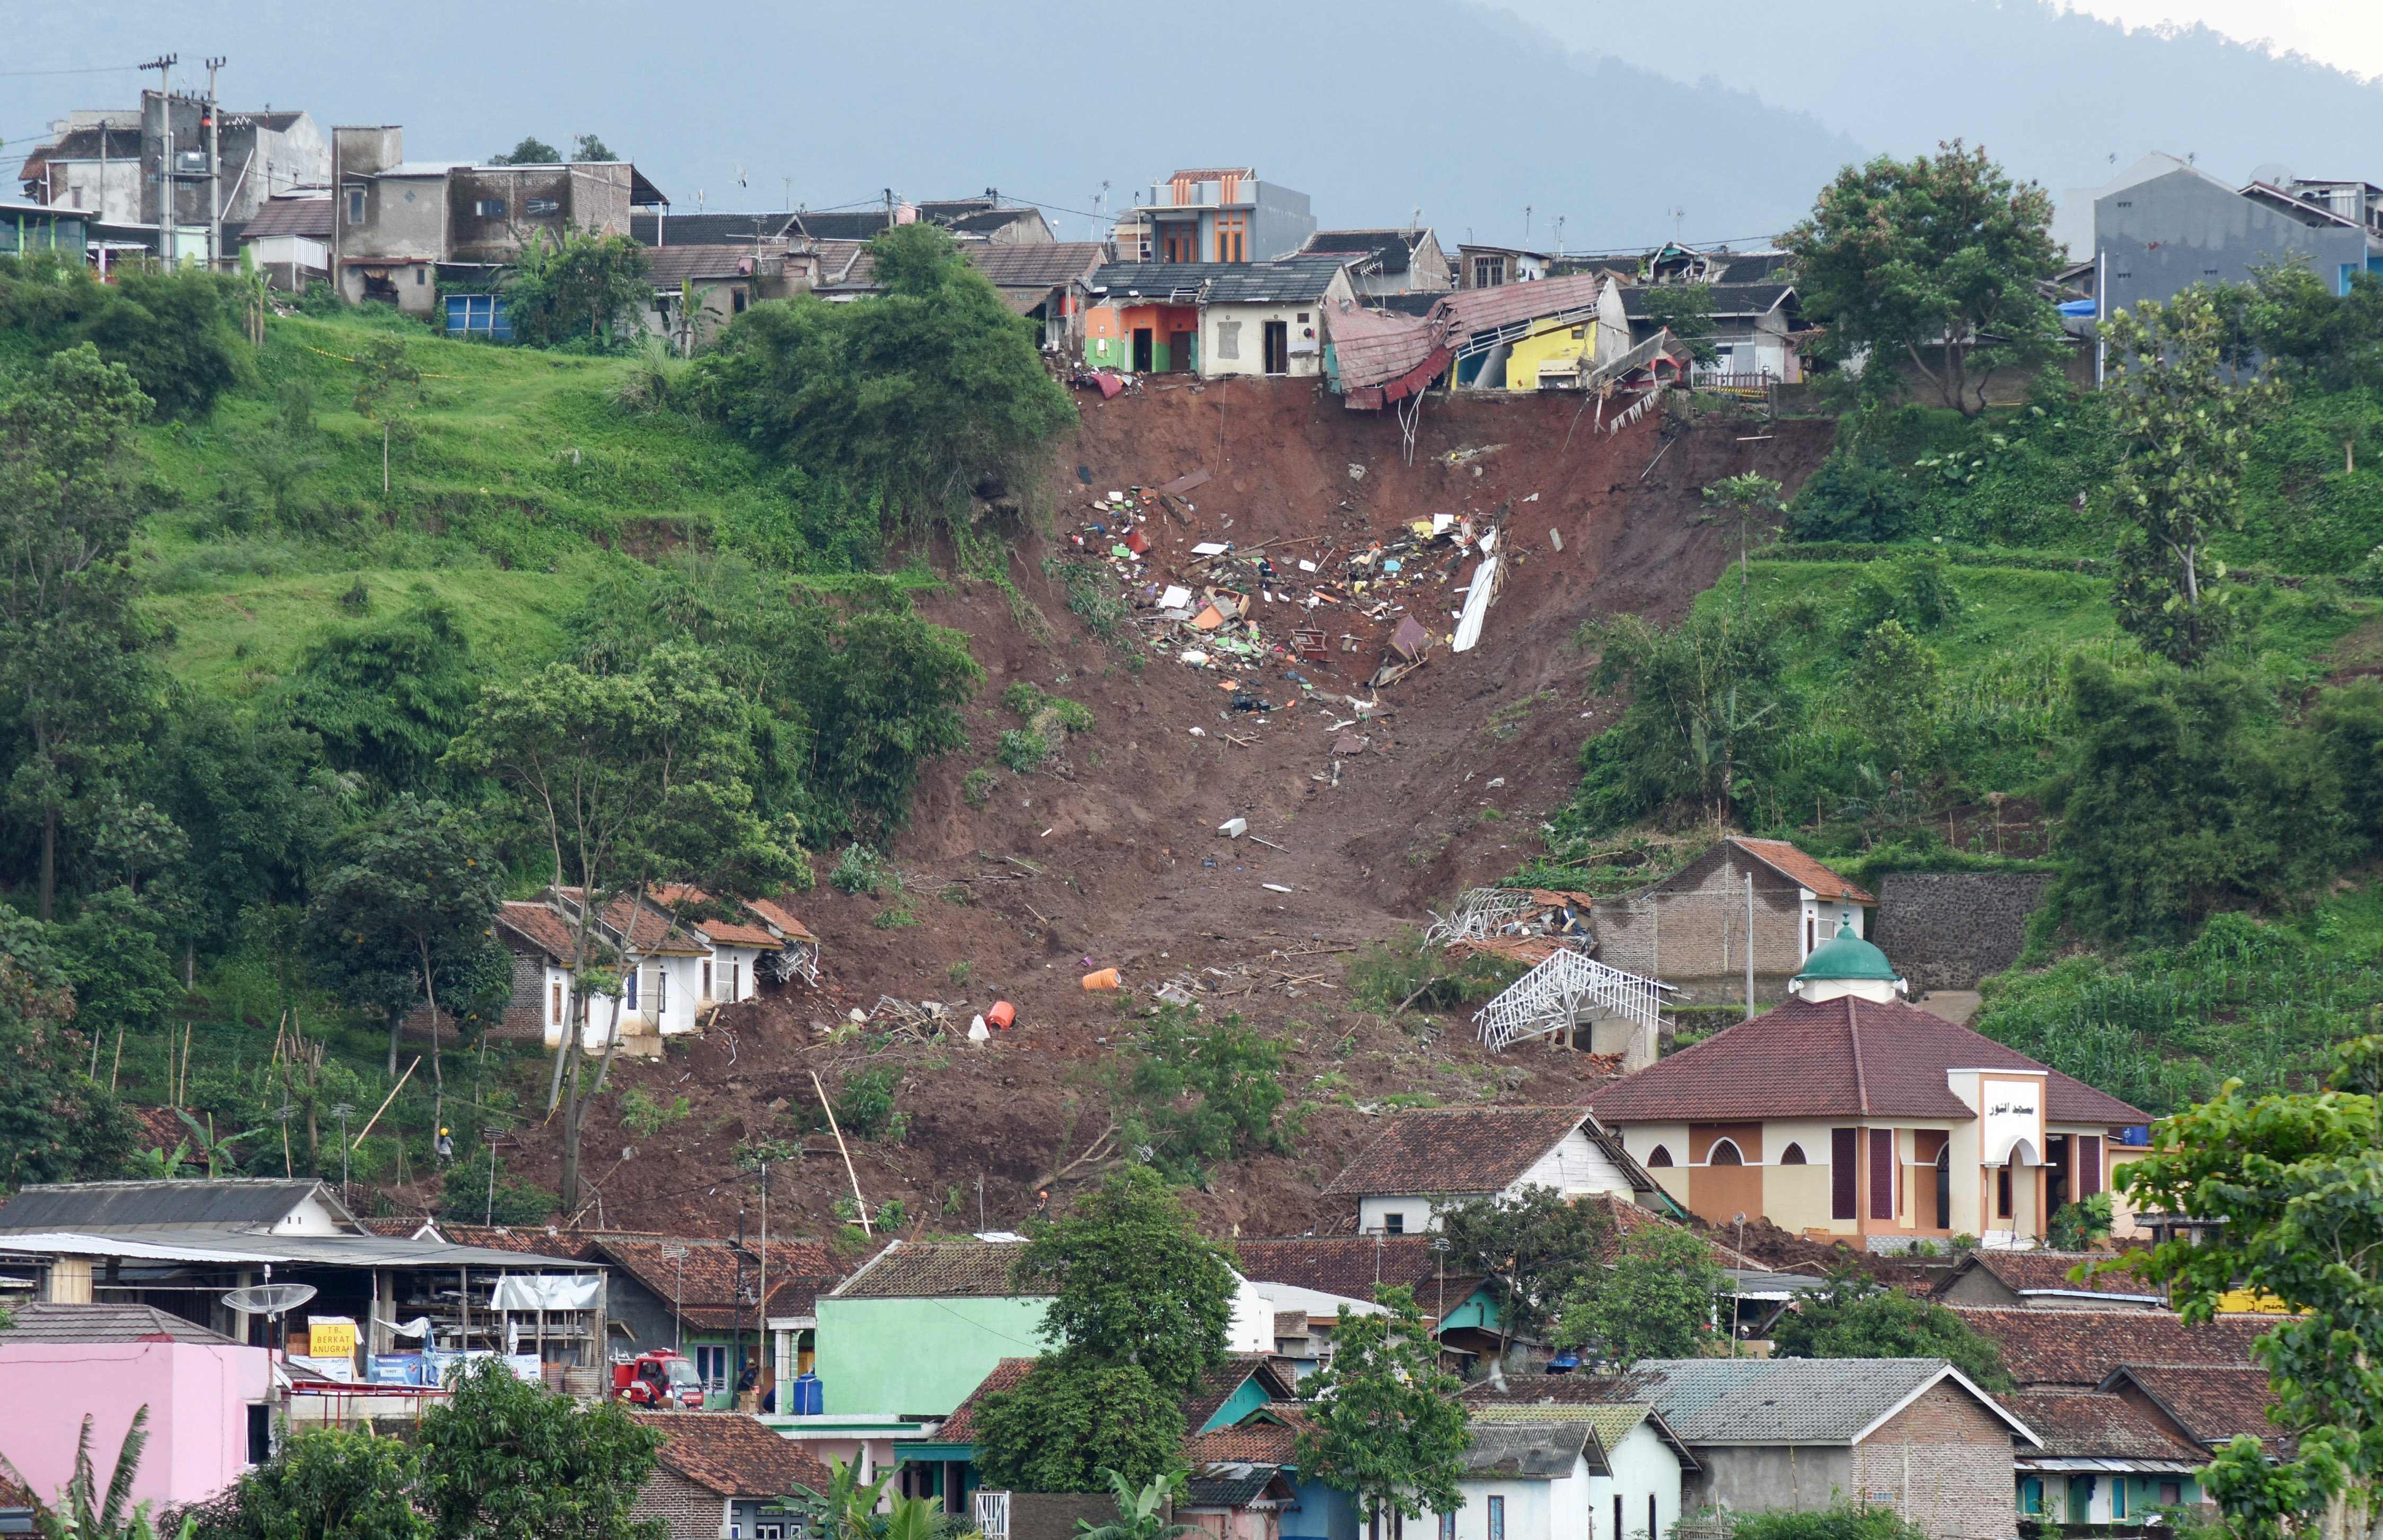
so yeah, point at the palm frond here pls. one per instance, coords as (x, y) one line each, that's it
(128, 1465)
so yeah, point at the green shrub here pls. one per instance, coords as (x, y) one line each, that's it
(858, 871)
(976, 786)
(1403, 970)
(1203, 1094)
(864, 1107)
(172, 331)
(1022, 749)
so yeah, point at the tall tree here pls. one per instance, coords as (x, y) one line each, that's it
(2184, 422)
(405, 915)
(1132, 1281)
(1854, 1316)
(1535, 1249)
(1709, 711)
(386, 385)
(387, 699)
(1933, 261)
(1656, 1300)
(1755, 499)
(57, 1125)
(1383, 1422)
(506, 1460)
(2295, 1185)
(630, 781)
(1141, 1303)
(73, 677)
(581, 285)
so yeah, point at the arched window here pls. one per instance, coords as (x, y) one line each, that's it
(1657, 1156)
(1724, 1152)
(1792, 1155)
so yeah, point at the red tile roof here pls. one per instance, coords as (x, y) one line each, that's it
(1216, 1386)
(932, 1269)
(2084, 1425)
(731, 1454)
(723, 933)
(1463, 1149)
(2079, 1347)
(540, 926)
(1258, 1443)
(1846, 1057)
(648, 930)
(1793, 864)
(2215, 1403)
(782, 917)
(1006, 1375)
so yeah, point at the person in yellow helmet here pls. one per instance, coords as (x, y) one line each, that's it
(446, 1146)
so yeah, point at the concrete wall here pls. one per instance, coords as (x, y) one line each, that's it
(1757, 1477)
(198, 1396)
(1944, 1463)
(919, 1356)
(1557, 1509)
(2166, 234)
(1690, 930)
(1643, 1466)
(1280, 223)
(1948, 929)
(1232, 339)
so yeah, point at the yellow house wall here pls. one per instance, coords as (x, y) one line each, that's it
(1523, 362)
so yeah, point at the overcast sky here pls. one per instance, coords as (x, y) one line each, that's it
(1495, 118)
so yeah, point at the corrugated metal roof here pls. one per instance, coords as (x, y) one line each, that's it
(331, 1251)
(1530, 1451)
(106, 1322)
(307, 214)
(234, 1204)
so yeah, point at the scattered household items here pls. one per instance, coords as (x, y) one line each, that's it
(1232, 829)
(1002, 1016)
(1103, 978)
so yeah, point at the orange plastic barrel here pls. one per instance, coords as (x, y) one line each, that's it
(1000, 1015)
(1106, 979)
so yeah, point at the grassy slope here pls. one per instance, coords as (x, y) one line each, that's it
(522, 474)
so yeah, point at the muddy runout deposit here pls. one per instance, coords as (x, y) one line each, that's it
(1110, 858)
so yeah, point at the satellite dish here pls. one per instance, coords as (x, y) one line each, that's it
(268, 1299)
(2275, 173)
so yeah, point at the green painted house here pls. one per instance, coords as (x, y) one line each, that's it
(921, 1326)
(944, 1467)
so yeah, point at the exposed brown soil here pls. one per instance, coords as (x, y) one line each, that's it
(1121, 838)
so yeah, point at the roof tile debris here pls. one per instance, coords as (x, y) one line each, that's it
(1843, 1057)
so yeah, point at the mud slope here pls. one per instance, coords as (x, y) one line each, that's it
(1107, 857)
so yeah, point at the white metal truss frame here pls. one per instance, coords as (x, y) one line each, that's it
(1549, 1000)
(1479, 914)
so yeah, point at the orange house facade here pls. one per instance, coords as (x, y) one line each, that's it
(1844, 1114)
(1143, 336)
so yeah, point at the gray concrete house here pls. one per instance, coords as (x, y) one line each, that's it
(2165, 234)
(1910, 1434)
(1227, 214)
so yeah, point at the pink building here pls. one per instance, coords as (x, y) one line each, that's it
(208, 1398)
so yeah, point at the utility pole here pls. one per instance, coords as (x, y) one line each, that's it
(1749, 946)
(762, 1300)
(215, 169)
(164, 64)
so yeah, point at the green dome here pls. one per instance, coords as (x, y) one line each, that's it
(1847, 955)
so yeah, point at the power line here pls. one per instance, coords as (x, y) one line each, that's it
(94, 69)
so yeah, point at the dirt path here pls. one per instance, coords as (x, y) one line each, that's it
(1111, 858)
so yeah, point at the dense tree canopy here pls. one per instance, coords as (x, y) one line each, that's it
(1855, 1317)
(1383, 1422)
(1932, 263)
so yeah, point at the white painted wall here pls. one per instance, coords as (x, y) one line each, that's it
(1252, 1328)
(1242, 330)
(1642, 1465)
(1557, 1509)
(732, 974)
(1576, 1168)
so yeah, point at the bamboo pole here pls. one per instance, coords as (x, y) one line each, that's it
(385, 1101)
(844, 1150)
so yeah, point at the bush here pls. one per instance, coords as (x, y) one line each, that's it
(585, 288)
(1853, 496)
(976, 786)
(172, 331)
(1844, 1521)
(1404, 972)
(864, 1107)
(1205, 1096)
(1022, 749)
(859, 870)
(465, 1195)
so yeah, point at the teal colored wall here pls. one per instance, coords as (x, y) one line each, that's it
(1478, 1310)
(1247, 1399)
(922, 1357)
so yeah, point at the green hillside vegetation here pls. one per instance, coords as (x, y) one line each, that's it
(269, 569)
(1932, 671)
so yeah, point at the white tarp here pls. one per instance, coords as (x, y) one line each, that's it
(1477, 607)
(545, 1291)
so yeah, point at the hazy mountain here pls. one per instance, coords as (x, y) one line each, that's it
(1411, 102)
(2058, 96)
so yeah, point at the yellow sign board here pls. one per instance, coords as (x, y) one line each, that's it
(330, 1336)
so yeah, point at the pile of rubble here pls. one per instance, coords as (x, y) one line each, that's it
(1274, 620)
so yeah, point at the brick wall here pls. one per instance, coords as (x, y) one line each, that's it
(1691, 930)
(1948, 929)
(524, 1013)
(692, 1512)
(1944, 1463)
